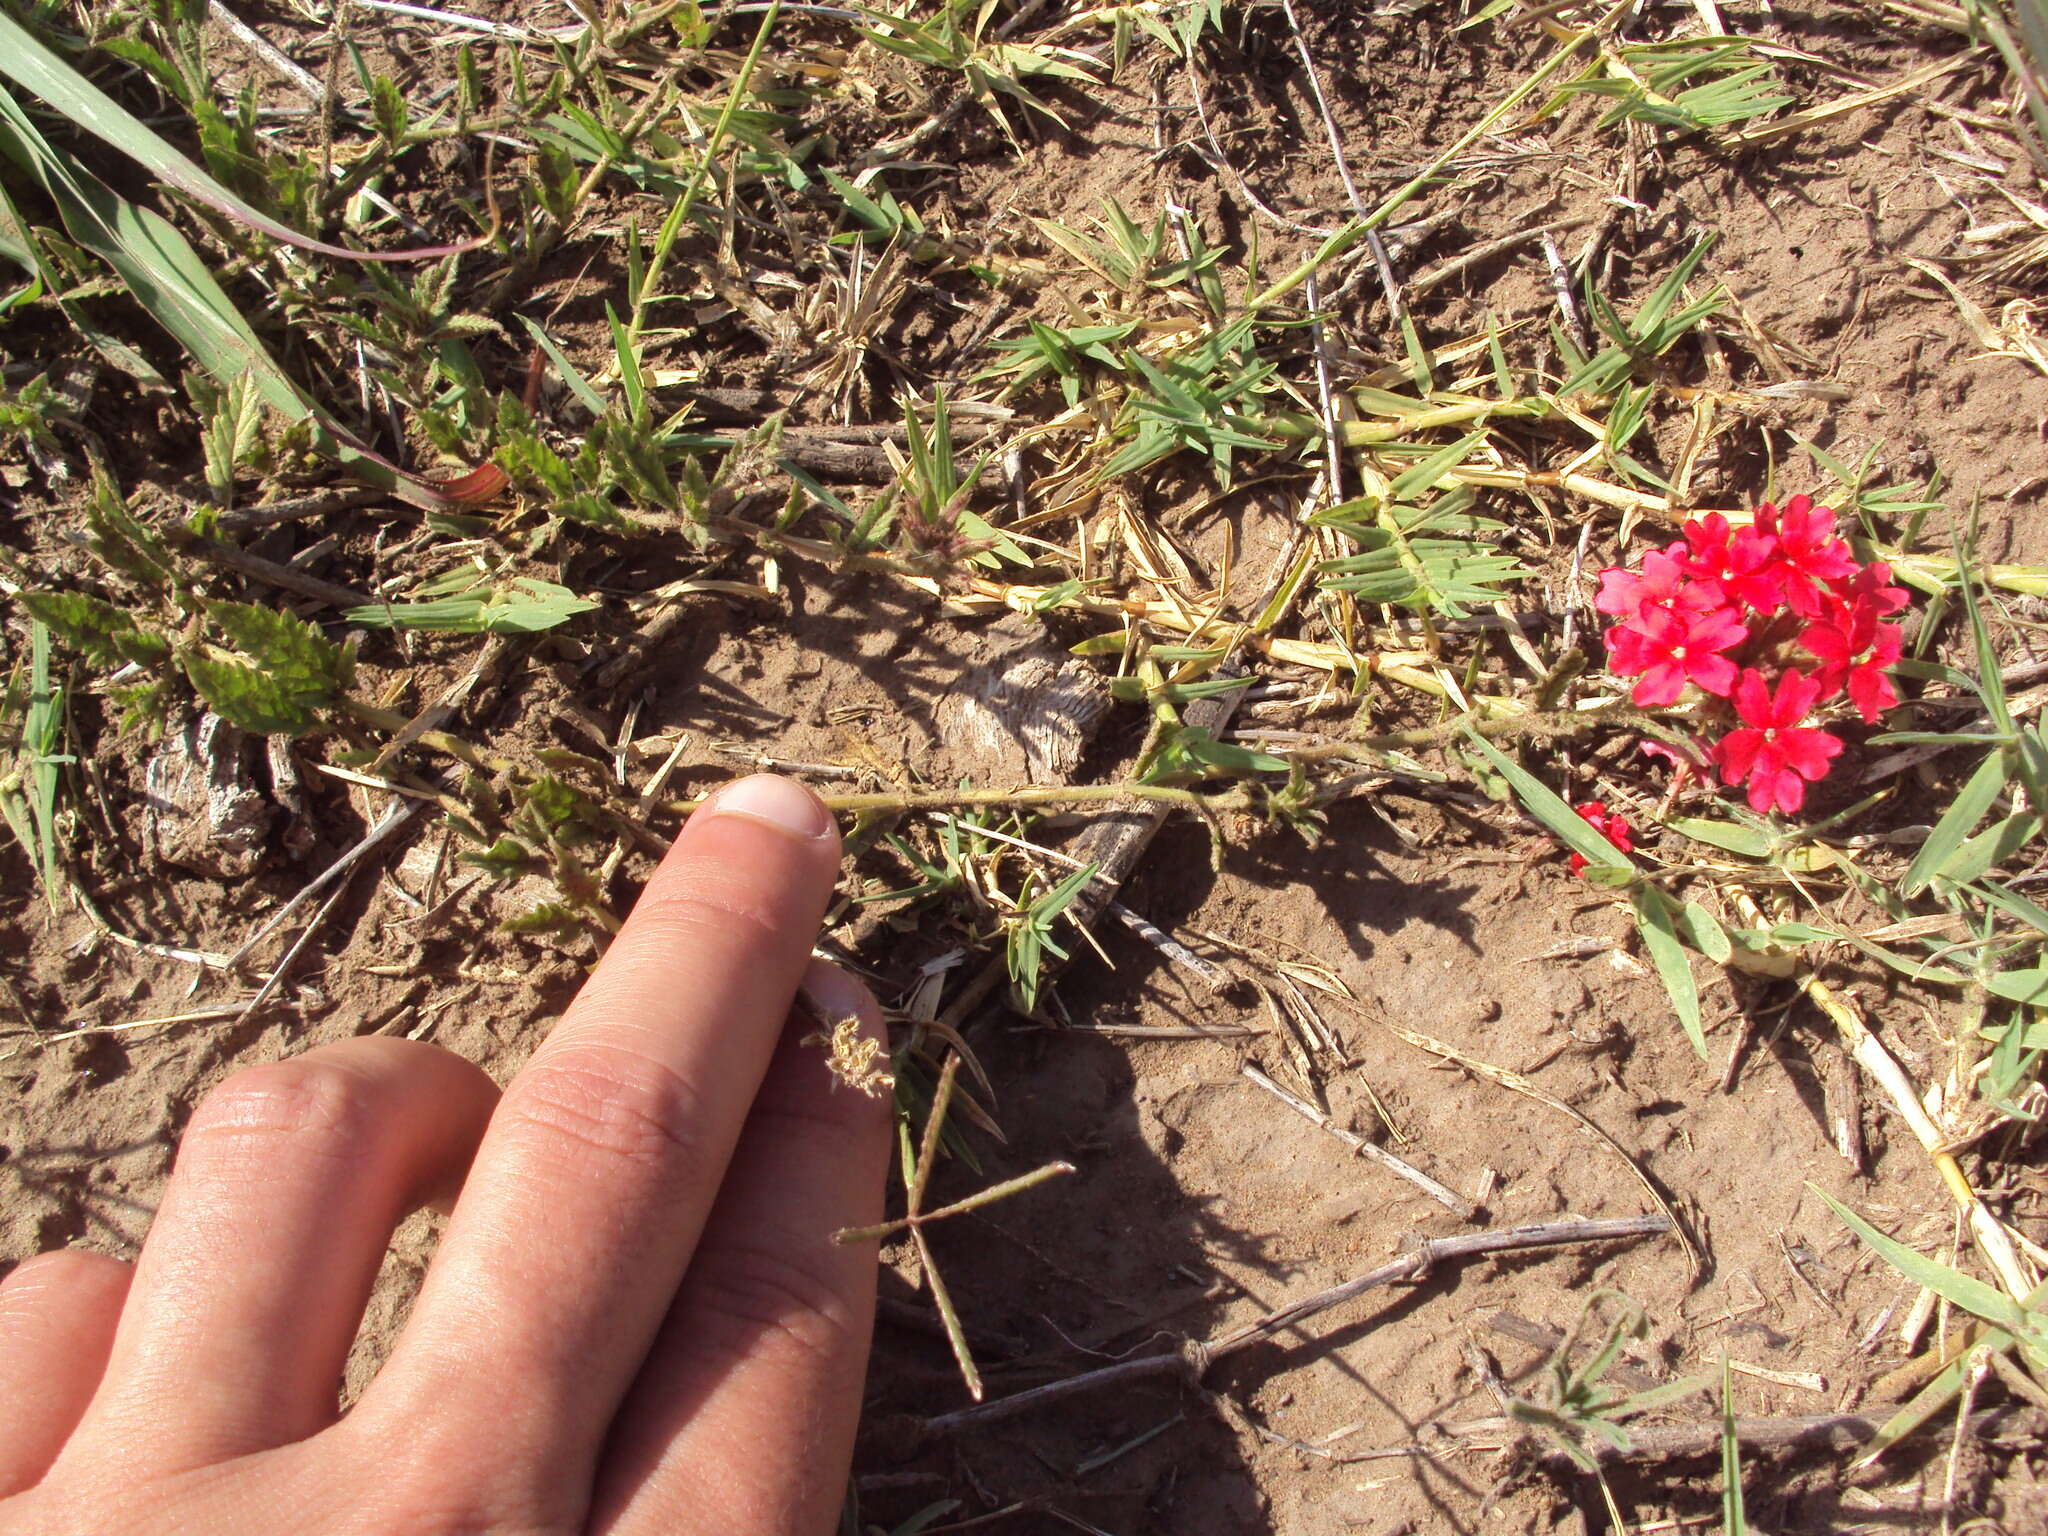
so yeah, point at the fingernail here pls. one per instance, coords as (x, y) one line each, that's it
(781, 803)
(834, 995)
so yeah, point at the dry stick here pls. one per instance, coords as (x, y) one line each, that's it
(1453, 266)
(302, 507)
(1516, 1083)
(1448, 1198)
(1546, 1338)
(396, 815)
(1222, 161)
(1193, 1359)
(257, 568)
(1356, 230)
(1664, 1442)
(1383, 262)
(1561, 285)
(272, 56)
(1785, 126)
(308, 84)
(277, 972)
(1843, 1092)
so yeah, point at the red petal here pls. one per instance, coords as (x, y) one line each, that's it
(1715, 674)
(1808, 753)
(1661, 683)
(1752, 697)
(1736, 753)
(1871, 692)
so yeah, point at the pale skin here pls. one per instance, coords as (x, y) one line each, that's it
(636, 1321)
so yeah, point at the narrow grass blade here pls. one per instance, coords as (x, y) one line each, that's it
(1556, 817)
(1956, 824)
(1734, 1522)
(1965, 1291)
(572, 376)
(24, 60)
(42, 734)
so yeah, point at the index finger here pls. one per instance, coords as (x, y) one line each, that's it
(603, 1159)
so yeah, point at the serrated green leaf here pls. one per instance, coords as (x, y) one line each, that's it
(256, 701)
(105, 634)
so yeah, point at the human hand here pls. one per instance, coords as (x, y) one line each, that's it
(636, 1321)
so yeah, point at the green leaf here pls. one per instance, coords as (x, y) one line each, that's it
(1418, 478)
(1703, 932)
(1674, 967)
(1750, 842)
(105, 634)
(1734, 1522)
(1965, 1291)
(572, 376)
(2027, 986)
(1990, 848)
(34, 67)
(253, 700)
(1555, 816)
(297, 670)
(1957, 822)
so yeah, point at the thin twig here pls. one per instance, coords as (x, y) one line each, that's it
(396, 815)
(256, 568)
(1194, 1358)
(1450, 1199)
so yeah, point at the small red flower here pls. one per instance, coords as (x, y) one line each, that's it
(1742, 563)
(1776, 754)
(1614, 828)
(1664, 586)
(1870, 584)
(1809, 556)
(1671, 649)
(1855, 649)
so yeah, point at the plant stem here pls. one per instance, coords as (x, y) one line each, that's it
(1029, 794)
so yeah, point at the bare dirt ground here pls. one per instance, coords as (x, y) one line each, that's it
(1199, 1201)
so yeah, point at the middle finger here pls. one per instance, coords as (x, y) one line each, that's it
(597, 1173)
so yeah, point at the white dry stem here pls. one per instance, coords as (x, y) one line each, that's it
(1870, 1054)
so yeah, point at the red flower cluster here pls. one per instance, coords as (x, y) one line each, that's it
(1614, 828)
(1729, 610)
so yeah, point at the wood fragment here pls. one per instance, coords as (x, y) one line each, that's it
(256, 568)
(1805, 1381)
(1842, 1090)
(1546, 1338)
(1670, 1442)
